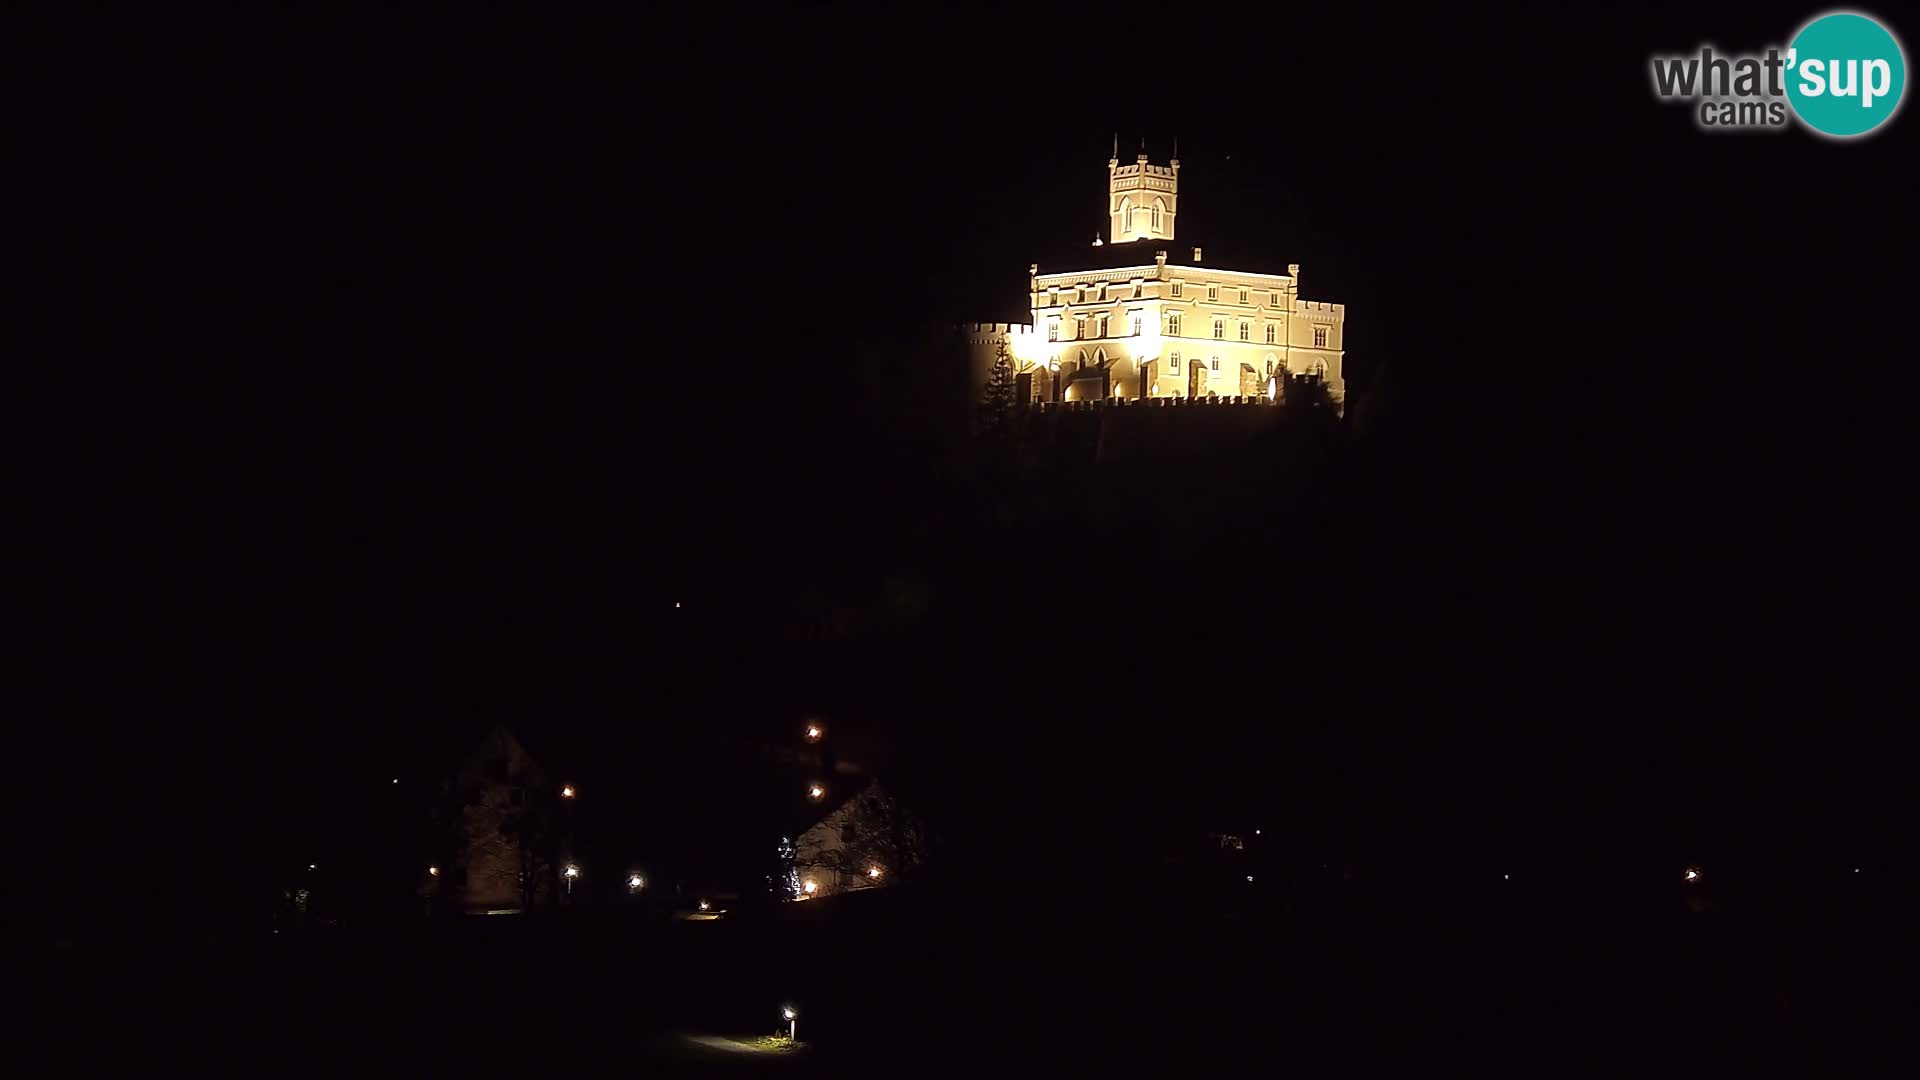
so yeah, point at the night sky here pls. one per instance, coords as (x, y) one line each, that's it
(364, 411)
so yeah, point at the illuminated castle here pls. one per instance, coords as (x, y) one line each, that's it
(1137, 318)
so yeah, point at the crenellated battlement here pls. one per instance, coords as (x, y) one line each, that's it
(1322, 310)
(993, 333)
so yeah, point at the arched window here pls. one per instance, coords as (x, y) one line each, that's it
(1126, 214)
(1159, 208)
(1099, 358)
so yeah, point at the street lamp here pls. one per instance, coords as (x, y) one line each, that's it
(570, 873)
(816, 792)
(704, 905)
(566, 791)
(792, 1016)
(815, 732)
(1692, 875)
(873, 872)
(635, 882)
(433, 871)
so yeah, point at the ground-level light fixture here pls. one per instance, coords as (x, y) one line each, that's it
(433, 871)
(816, 792)
(635, 881)
(704, 906)
(566, 791)
(873, 872)
(810, 887)
(815, 732)
(792, 1016)
(1692, 875)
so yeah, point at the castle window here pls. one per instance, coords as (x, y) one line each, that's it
(1136, 324)
(1245, 330)
(1173, 324)
(1103, 326)
(1173, 361)
(1219, 329)
(1243, 296)
(1176, 288)
(1271, 331)
(1213, 292)
(1216, 363)
(1053, 329)
(1158, 206)
(1319, 337)
(1274, 299)
(1079, 327)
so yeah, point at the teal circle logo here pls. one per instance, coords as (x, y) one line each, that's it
(1845, 74)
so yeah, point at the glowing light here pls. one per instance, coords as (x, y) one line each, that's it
(1273, 388)
(1693, 875)
(634, 881)
(816, 791)
(788, 1013)
(313, 866)
(396, 779)
(573, 871)
(705, 906)
(1249, 877)
(1256, 832)
(566, 792)
(814, 732)
(811, 887)
(874, 872)
(1506, 877)
(433, 871)
(1156, 389)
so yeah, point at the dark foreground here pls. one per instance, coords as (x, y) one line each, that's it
(917, 982)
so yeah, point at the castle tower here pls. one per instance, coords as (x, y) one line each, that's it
(1142, 198)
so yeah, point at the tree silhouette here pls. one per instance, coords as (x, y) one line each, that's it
(997, 400)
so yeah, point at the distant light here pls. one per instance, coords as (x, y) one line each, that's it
(814, 733)
(788, 1013)
(816, 791)
(874, 872)
(313, 866)
(433, 871)
(573, 871)
(1692, 874)
(676, 603)
(634, 881)
(1506, 877)
(566, 792)
(1256, 832)
(396, 779)
(1856, 869)
(704, 905)
(1249, 877)
(810, 887)
(1156, 389)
